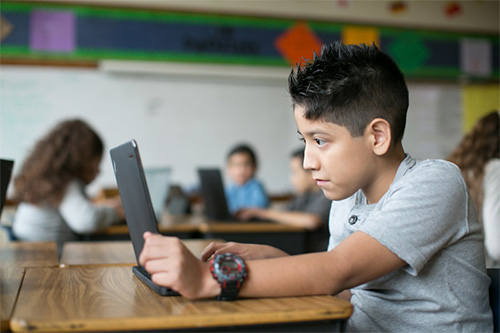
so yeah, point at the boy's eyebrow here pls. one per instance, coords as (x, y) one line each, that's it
(313, 132)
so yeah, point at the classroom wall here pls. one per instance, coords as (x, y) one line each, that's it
(181, 122)
(461, 15)
(187, 122)
(190, 118)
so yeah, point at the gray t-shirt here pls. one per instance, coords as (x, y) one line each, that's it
(314, 203)
(427, 218)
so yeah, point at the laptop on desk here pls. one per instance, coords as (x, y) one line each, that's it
(214, 197)
(6, 167)
(213, 194)
(136, 200)
(158, 181)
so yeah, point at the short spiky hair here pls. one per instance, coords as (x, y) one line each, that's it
(350, 85)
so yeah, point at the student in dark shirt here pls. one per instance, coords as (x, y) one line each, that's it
(308, 209)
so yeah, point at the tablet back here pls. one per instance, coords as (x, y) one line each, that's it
(134, 193)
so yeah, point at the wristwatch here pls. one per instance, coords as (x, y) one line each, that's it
(229, 270)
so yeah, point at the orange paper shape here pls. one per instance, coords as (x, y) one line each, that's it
(360, 35)
(5, 28)
(397, 7)
(298, 43)
(453, 8)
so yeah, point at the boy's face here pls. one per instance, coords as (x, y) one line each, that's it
(240, 168)
(301, 179)
(340, 164)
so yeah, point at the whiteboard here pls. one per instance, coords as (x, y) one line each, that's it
(189, 122)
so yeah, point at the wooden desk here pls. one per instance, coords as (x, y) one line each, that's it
(28, 254)
(288, 238)
(184, 227)
(115, 252)
(292, 240)
(15, 257)
(110, 298)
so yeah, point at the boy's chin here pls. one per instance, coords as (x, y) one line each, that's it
(334, 196)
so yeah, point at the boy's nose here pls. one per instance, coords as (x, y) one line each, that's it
(310, 161)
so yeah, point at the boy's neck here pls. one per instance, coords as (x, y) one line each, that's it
(388, 166)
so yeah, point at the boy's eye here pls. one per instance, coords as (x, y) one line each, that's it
(302, 139)
(319, 142)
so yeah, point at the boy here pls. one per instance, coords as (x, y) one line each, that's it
(405, 237)
(244, 189)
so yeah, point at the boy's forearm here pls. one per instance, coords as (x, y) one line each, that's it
(291, 276)
(357, 260)
(279, 277)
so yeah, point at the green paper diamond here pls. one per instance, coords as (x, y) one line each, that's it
(409, 52)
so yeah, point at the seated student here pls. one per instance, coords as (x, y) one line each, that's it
(244, 190)
(308, 209)
(405, 239)
(478, 156)
(51, 187)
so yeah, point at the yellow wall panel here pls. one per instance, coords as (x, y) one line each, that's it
(479, 100)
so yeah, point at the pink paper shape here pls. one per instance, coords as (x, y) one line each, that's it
(52, 31)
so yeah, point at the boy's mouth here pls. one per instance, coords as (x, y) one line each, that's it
(321, 182)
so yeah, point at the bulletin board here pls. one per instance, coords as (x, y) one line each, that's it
(89, 33)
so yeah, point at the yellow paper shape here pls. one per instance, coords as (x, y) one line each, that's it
(479, 100)
(5, 27)
(360, 35)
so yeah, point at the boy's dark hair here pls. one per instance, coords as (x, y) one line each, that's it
(243, 149)
(350, 85)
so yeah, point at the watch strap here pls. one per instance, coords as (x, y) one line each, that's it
(229, 290)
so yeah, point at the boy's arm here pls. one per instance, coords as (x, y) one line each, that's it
(357, 260)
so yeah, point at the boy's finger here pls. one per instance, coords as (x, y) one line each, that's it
(208, 251)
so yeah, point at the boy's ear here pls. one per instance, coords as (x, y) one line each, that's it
(380, 135)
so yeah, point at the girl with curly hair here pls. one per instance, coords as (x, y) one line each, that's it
(477, 156)
(50, 187)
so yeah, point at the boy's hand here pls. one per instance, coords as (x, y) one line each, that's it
(245, 251)
(172, 265)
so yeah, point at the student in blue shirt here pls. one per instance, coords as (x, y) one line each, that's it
(244, 190)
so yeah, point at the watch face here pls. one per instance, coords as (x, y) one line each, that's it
(229, 267)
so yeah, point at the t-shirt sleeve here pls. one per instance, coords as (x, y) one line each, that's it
(80, 214)
(491, 209)
(423, 214)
